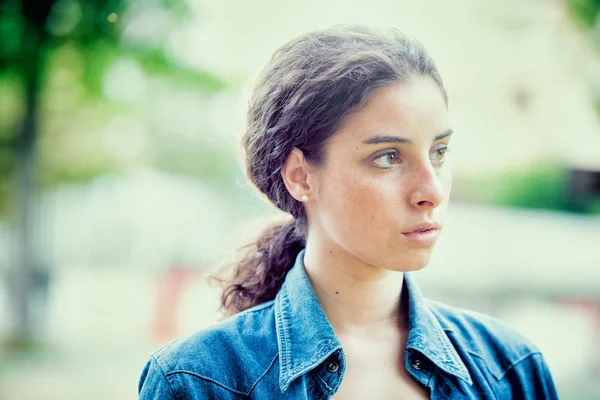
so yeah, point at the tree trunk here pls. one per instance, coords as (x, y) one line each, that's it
(26, 193)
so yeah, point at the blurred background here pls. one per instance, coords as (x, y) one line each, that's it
(121, 186)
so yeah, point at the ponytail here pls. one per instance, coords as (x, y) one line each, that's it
(261, 270)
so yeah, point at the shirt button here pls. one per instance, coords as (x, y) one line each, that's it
(332, 367)
(417, 364)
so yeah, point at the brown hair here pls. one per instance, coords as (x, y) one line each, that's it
(300, 100)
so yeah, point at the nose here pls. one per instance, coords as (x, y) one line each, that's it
(428, 192)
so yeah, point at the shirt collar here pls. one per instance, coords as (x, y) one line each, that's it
(306, 338)
(426, 335)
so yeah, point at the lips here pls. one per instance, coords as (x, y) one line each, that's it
(423, 227)
(423, 234)
(422, 238)
(422, 230)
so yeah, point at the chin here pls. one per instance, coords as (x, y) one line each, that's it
(412, 262)
(415, 267)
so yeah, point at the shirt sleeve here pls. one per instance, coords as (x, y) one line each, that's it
(153, 383)
(546, 378)
(537, 379)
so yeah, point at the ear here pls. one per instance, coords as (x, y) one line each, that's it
(296, 174)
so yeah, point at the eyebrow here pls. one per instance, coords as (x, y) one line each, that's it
(397, 139)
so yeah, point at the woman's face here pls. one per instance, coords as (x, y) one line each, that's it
(386, 174)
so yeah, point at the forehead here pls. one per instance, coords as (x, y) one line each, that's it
(415, 109)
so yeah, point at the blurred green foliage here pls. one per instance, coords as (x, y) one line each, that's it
(544, 186)
(585, 11)
(64, 49)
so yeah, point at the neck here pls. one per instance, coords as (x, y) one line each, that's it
(356, 296)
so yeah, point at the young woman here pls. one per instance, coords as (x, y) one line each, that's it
(348, 132)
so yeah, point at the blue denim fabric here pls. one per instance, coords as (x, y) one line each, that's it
(286, 349)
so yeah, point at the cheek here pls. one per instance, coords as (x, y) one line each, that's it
(354, 199)
(343, 192)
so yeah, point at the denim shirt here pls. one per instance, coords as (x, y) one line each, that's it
(286, 349)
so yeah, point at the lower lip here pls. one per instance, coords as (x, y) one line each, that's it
(427, 237)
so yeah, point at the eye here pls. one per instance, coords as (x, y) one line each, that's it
(387, 160)
(439, 154)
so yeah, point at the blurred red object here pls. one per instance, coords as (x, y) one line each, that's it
(170, 286)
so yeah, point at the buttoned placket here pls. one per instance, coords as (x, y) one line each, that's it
(331, 374)
(419, 367)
